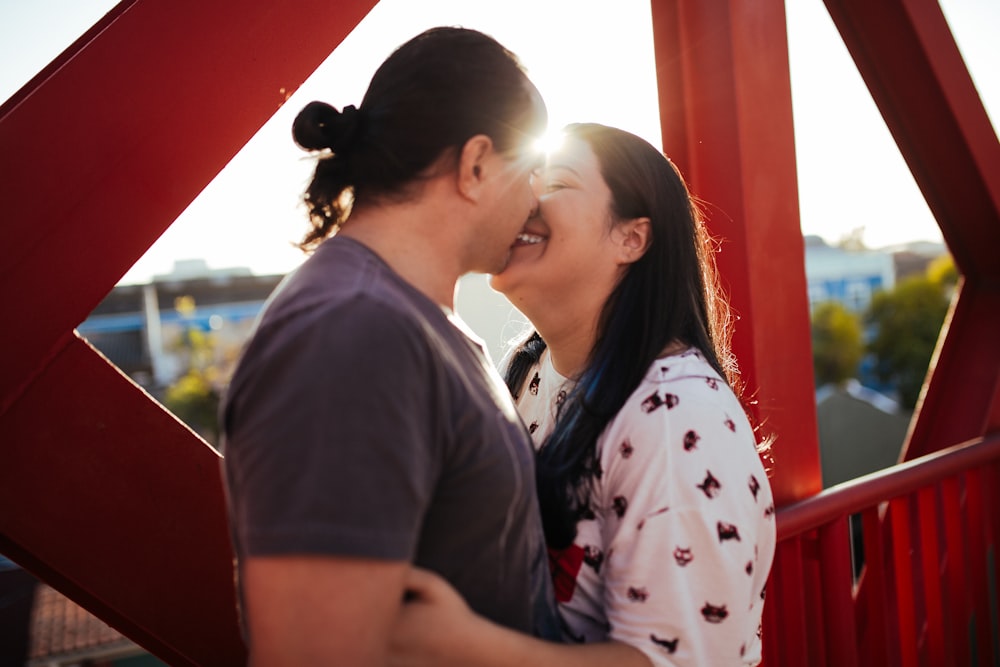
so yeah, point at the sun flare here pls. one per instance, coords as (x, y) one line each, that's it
(550, 142)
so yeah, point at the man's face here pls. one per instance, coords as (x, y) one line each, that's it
(512, 198)
(511, 203)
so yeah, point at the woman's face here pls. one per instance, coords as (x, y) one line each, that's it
(565, 253)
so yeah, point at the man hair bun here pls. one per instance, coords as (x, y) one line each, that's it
(319, 126)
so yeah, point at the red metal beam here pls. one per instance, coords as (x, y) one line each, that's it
(958, 608)
(908, 58)
(836, 581)
(82, 167)
(108, 146)
(858, 494)
(977, 512)
(963, 385)
(904, 608)
(102, 493)
(872, 603)
(726, 114)
(786, 638)
(110, 499)
(911, 64)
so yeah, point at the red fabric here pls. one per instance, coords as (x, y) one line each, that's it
(565, 565)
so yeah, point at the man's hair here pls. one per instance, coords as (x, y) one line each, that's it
(430, 96)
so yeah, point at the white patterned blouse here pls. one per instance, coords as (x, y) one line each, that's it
(674, 553)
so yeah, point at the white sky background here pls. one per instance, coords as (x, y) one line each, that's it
(592, 61)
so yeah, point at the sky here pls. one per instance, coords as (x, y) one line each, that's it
(589, 64)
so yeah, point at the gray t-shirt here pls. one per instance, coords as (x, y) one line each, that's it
(361, 421)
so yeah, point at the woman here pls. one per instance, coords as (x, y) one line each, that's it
(656, 507)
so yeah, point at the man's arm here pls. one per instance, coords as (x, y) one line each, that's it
(435, 628)
(320, 610)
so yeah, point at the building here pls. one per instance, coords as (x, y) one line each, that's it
(849, 277)
(141, 328)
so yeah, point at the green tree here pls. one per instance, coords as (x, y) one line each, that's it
(907, 322)
(195, 400)
(943, 272)
(836, 343)
(194, 396)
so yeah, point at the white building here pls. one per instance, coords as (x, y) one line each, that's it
(850, 277)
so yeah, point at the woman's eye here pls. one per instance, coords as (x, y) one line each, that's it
(552, 186)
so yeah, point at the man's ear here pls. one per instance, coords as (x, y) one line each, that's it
(472, 165)
(633, 238)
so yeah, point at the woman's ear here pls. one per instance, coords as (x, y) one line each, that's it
(472, 165)
(633, 238)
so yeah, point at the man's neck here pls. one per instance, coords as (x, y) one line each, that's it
(408, 238)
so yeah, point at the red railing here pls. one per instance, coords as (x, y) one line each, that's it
(895, 568)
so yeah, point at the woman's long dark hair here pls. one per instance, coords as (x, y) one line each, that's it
(670, 294)
(432, 94)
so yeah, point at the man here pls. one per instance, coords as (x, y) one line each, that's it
(364, 430)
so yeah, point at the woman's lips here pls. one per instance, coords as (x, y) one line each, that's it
(527, 238)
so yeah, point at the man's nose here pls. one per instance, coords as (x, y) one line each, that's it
(536, 183)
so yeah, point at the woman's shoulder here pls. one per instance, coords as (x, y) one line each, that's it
(688, 441)
(686, 367)
(681, 411)
(681, 387)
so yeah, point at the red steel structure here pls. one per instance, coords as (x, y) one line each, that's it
(111, 500)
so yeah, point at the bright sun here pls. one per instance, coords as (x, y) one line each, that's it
(549, 142)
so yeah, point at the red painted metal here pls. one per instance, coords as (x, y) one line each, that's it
(959, 399)
(929, 547)
(816, 640)
(838, 604)
(902, 580)
(925, 581)
(771, 619)
(908, 57)
(990, 474)
(993, 416)
(912, 66)
(102, 493)
(118, 505)
(858, 494)
(958, 601)
(786, 642)
(976, 538)
(874, 620)
(106, 502)
(725, 111)
(119, 135)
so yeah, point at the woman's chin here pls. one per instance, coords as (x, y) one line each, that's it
(520, 275)
(497, 281)
(506, 281)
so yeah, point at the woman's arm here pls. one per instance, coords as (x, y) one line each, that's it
(435, 628)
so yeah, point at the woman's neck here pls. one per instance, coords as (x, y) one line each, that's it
(569, 339)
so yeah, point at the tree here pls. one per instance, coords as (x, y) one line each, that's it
(943, 272)
(194, 397)
(836, 342)
(907, 322)
(195, 401)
